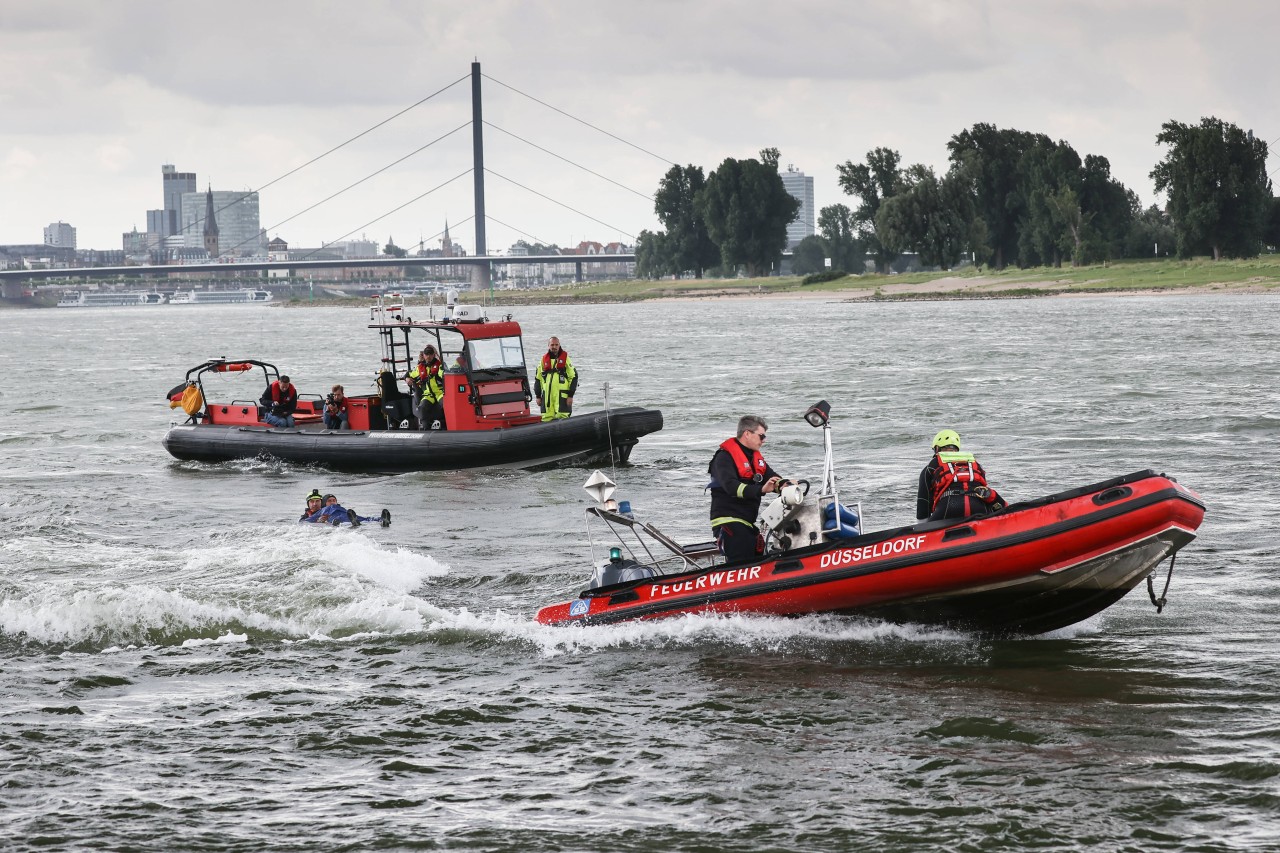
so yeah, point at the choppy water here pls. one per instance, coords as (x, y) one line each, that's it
(185, 668)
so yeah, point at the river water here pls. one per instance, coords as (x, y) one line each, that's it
(187, 669)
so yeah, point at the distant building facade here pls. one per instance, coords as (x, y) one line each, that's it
(236, 215)
(60, 234)
(800, 187)
(167, 221)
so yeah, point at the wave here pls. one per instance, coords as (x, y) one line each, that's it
(264, 582)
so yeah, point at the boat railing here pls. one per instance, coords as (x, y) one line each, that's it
(676, 558)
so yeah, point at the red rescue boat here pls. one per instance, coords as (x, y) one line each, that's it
(485, 400)
(1035, 566)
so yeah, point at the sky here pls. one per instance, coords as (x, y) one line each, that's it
(586, 104)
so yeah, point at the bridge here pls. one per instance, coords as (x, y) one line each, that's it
(481, 263)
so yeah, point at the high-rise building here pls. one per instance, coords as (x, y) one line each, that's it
(800, 187)
(60, 234)
(176, 184)
(236, 214)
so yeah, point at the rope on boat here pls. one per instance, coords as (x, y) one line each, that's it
(608, 428)
(1151, 590)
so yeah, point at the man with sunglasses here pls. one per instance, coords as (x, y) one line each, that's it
(740, 477)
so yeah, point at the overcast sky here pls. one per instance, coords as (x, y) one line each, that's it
(97, 95)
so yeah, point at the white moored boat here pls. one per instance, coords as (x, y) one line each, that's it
(96, 299)
(219, 297)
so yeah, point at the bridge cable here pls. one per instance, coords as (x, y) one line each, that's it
(316, 159)
(570, 162)
(389, 212)
(532, 237)
(562, 204)
(581, 121)
(354, 185)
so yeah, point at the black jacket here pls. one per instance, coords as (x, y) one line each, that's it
(731, 495)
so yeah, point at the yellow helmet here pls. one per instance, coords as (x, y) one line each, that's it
(945, 437)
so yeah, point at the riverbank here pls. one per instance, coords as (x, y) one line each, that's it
(1199, 276)
(1260, 275)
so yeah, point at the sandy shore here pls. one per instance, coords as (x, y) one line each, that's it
(965, 287)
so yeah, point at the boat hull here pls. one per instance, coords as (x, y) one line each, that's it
(1036, 567)
(589, 438)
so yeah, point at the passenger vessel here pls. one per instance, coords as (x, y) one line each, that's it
(103, 298)
(219, 297)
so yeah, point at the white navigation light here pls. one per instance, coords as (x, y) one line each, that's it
(599, 487)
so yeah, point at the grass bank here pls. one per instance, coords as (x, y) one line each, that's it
(1256, 275)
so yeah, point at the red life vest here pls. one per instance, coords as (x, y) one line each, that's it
(739, 456)
(278, 397)
(561, 362)
(956, 471)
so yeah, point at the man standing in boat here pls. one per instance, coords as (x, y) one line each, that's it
(739, 479)
(557, 380)
(953, 484)
(281, 400)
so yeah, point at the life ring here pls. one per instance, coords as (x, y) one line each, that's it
(233, 367)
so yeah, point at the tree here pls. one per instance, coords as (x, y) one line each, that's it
(809, 255)
(836, 225)
(538, 248)
(932, 217)
(392, 250)
(1112, 206)
(771, 157)
(653, 256)
(747, 210)
(1272, 235)
(872, 182)
(988, 159)
(1150, 235)
(688, 245)
(1215, 175)
(1045, 170)
(1068, 216)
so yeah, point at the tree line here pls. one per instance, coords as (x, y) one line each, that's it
(1008, 197)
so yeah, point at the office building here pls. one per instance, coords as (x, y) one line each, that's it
(176, 184)
(239, 233)
(800, 187)
(60, 234)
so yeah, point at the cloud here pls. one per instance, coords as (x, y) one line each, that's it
(242, 97)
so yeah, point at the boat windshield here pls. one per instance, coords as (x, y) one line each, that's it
(497, 354)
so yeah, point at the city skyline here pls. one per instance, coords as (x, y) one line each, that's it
(128, 87)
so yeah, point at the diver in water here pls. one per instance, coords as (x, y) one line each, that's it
(325, 509)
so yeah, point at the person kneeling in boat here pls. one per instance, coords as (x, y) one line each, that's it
(953, 484)
(335, 410)
(281, 401)
(326, 510)
(740, 477)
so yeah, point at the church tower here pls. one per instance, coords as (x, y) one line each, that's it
(446, 245)
(210, 226)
